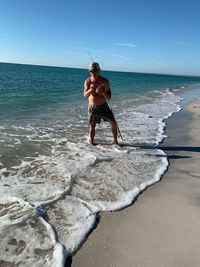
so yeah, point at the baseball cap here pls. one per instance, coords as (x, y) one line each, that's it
(94, 66)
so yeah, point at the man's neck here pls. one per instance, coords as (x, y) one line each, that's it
(95, 78)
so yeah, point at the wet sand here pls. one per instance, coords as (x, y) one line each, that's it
(161, 228)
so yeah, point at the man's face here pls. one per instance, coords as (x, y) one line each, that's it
(95, 72)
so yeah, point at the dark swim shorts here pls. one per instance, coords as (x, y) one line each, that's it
(96, 113)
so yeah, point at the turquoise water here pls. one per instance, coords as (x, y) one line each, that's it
(27, 89)
(52, 182)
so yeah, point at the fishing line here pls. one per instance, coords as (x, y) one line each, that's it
(108, 102)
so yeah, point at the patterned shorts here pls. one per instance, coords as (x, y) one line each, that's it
(96, 113)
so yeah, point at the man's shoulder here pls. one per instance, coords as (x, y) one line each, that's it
(103, 79)
(88, 80)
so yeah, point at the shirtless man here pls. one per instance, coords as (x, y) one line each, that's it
(97, 90)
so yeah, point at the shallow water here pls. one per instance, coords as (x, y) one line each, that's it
(52, 182)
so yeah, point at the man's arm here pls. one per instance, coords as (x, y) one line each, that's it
(87, 89)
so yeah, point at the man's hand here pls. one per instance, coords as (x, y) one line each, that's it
(100, 89)
(92, 89)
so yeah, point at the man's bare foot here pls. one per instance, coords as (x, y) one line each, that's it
(115, 143)
(91, 143)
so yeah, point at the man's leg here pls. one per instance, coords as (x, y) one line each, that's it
(92, 133)
(114, 131)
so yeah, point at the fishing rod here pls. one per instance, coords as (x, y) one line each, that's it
(90, 56)
(107, 101)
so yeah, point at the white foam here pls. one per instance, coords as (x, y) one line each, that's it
(23, 239)
(59, 253)
(57, 182)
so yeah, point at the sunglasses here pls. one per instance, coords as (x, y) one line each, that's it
(94, 71)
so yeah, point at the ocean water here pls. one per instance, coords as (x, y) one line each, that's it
(52, 182)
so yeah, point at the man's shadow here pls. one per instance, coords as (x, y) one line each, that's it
(180, 148)
(166, 149)
(68, 262)
(162, 147)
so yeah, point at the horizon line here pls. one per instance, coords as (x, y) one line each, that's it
(55, 66)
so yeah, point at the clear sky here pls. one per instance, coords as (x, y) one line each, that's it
(157, 36)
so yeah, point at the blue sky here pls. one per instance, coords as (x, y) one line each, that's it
(157, 36)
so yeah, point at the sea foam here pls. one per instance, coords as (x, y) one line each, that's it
(57, 182)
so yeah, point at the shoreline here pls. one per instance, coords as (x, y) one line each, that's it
(156, 229)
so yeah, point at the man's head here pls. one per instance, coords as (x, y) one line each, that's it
(94, 67)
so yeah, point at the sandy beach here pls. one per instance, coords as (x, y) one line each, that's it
(161, 228)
